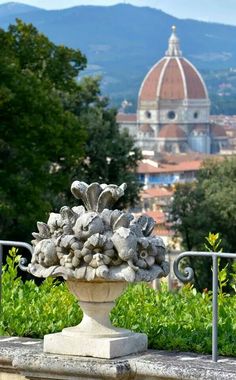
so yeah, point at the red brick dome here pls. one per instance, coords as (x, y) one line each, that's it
(172, 78)
(172, 131)
(146, 128)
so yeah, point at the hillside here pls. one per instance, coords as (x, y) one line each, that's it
(13, 9)
(122, 42)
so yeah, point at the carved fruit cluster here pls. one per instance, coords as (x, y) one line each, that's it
(97, 242)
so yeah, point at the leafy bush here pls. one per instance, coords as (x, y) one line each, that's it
(177, 321)
(172, 321)
(31, 310)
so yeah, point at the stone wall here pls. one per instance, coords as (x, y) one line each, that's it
(22, 358)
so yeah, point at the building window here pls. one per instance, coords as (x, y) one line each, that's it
(171, 115)
(148, 114)
(195, 115)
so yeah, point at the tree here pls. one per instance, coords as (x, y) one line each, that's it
(48, 123)
(207, 205)
(110, 155)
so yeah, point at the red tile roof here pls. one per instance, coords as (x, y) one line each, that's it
(156, 192)
(173, 79)
(218, 130)
(172, 86)
(169, 158)
(149, 86)
(158, 216)
(146, 128)
(195, 88)
(146, 168)
(164, 232)
(126, 117)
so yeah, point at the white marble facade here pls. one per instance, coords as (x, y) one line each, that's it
(173, 108)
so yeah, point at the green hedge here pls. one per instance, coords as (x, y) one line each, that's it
(172, 321)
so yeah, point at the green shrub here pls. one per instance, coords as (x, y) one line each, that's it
(177, 321)
(31, 310)
(172, 321)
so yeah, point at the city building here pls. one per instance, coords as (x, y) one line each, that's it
(227, 123)
(156, 202)
(151, 173)
(173, 108)
(156, 198)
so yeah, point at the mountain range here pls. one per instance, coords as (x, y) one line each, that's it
(122, 41)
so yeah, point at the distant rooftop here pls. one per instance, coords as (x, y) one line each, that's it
(147, 168)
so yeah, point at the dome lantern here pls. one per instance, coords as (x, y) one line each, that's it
(173, 47)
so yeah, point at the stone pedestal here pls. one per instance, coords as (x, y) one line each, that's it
(95, 336)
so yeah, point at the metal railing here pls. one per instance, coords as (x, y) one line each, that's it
(8, 243)
(188, 276)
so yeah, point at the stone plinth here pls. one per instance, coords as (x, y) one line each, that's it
(68, 343)
(95, 336)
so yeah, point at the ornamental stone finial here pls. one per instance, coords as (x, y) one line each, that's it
(98, 250)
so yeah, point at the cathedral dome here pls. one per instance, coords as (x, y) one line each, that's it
(172, 78)
(172, 131)
(146, 128)
(174, 102)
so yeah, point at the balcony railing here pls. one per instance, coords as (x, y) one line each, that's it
(8, 243)
(186, 276)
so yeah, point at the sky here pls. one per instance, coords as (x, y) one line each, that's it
(223, 11)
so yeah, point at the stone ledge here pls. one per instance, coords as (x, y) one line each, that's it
(184, 366)
(25, 357)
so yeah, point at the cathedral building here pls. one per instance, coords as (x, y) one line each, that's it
(173, 108)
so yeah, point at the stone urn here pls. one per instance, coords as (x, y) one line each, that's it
(98, 251)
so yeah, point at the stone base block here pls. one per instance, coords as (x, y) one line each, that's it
(99, 347)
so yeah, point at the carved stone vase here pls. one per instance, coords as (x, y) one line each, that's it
(95, 335)
(98, 251)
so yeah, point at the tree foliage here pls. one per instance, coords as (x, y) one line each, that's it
(110, 155)
(54, 129)
(207, 205)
